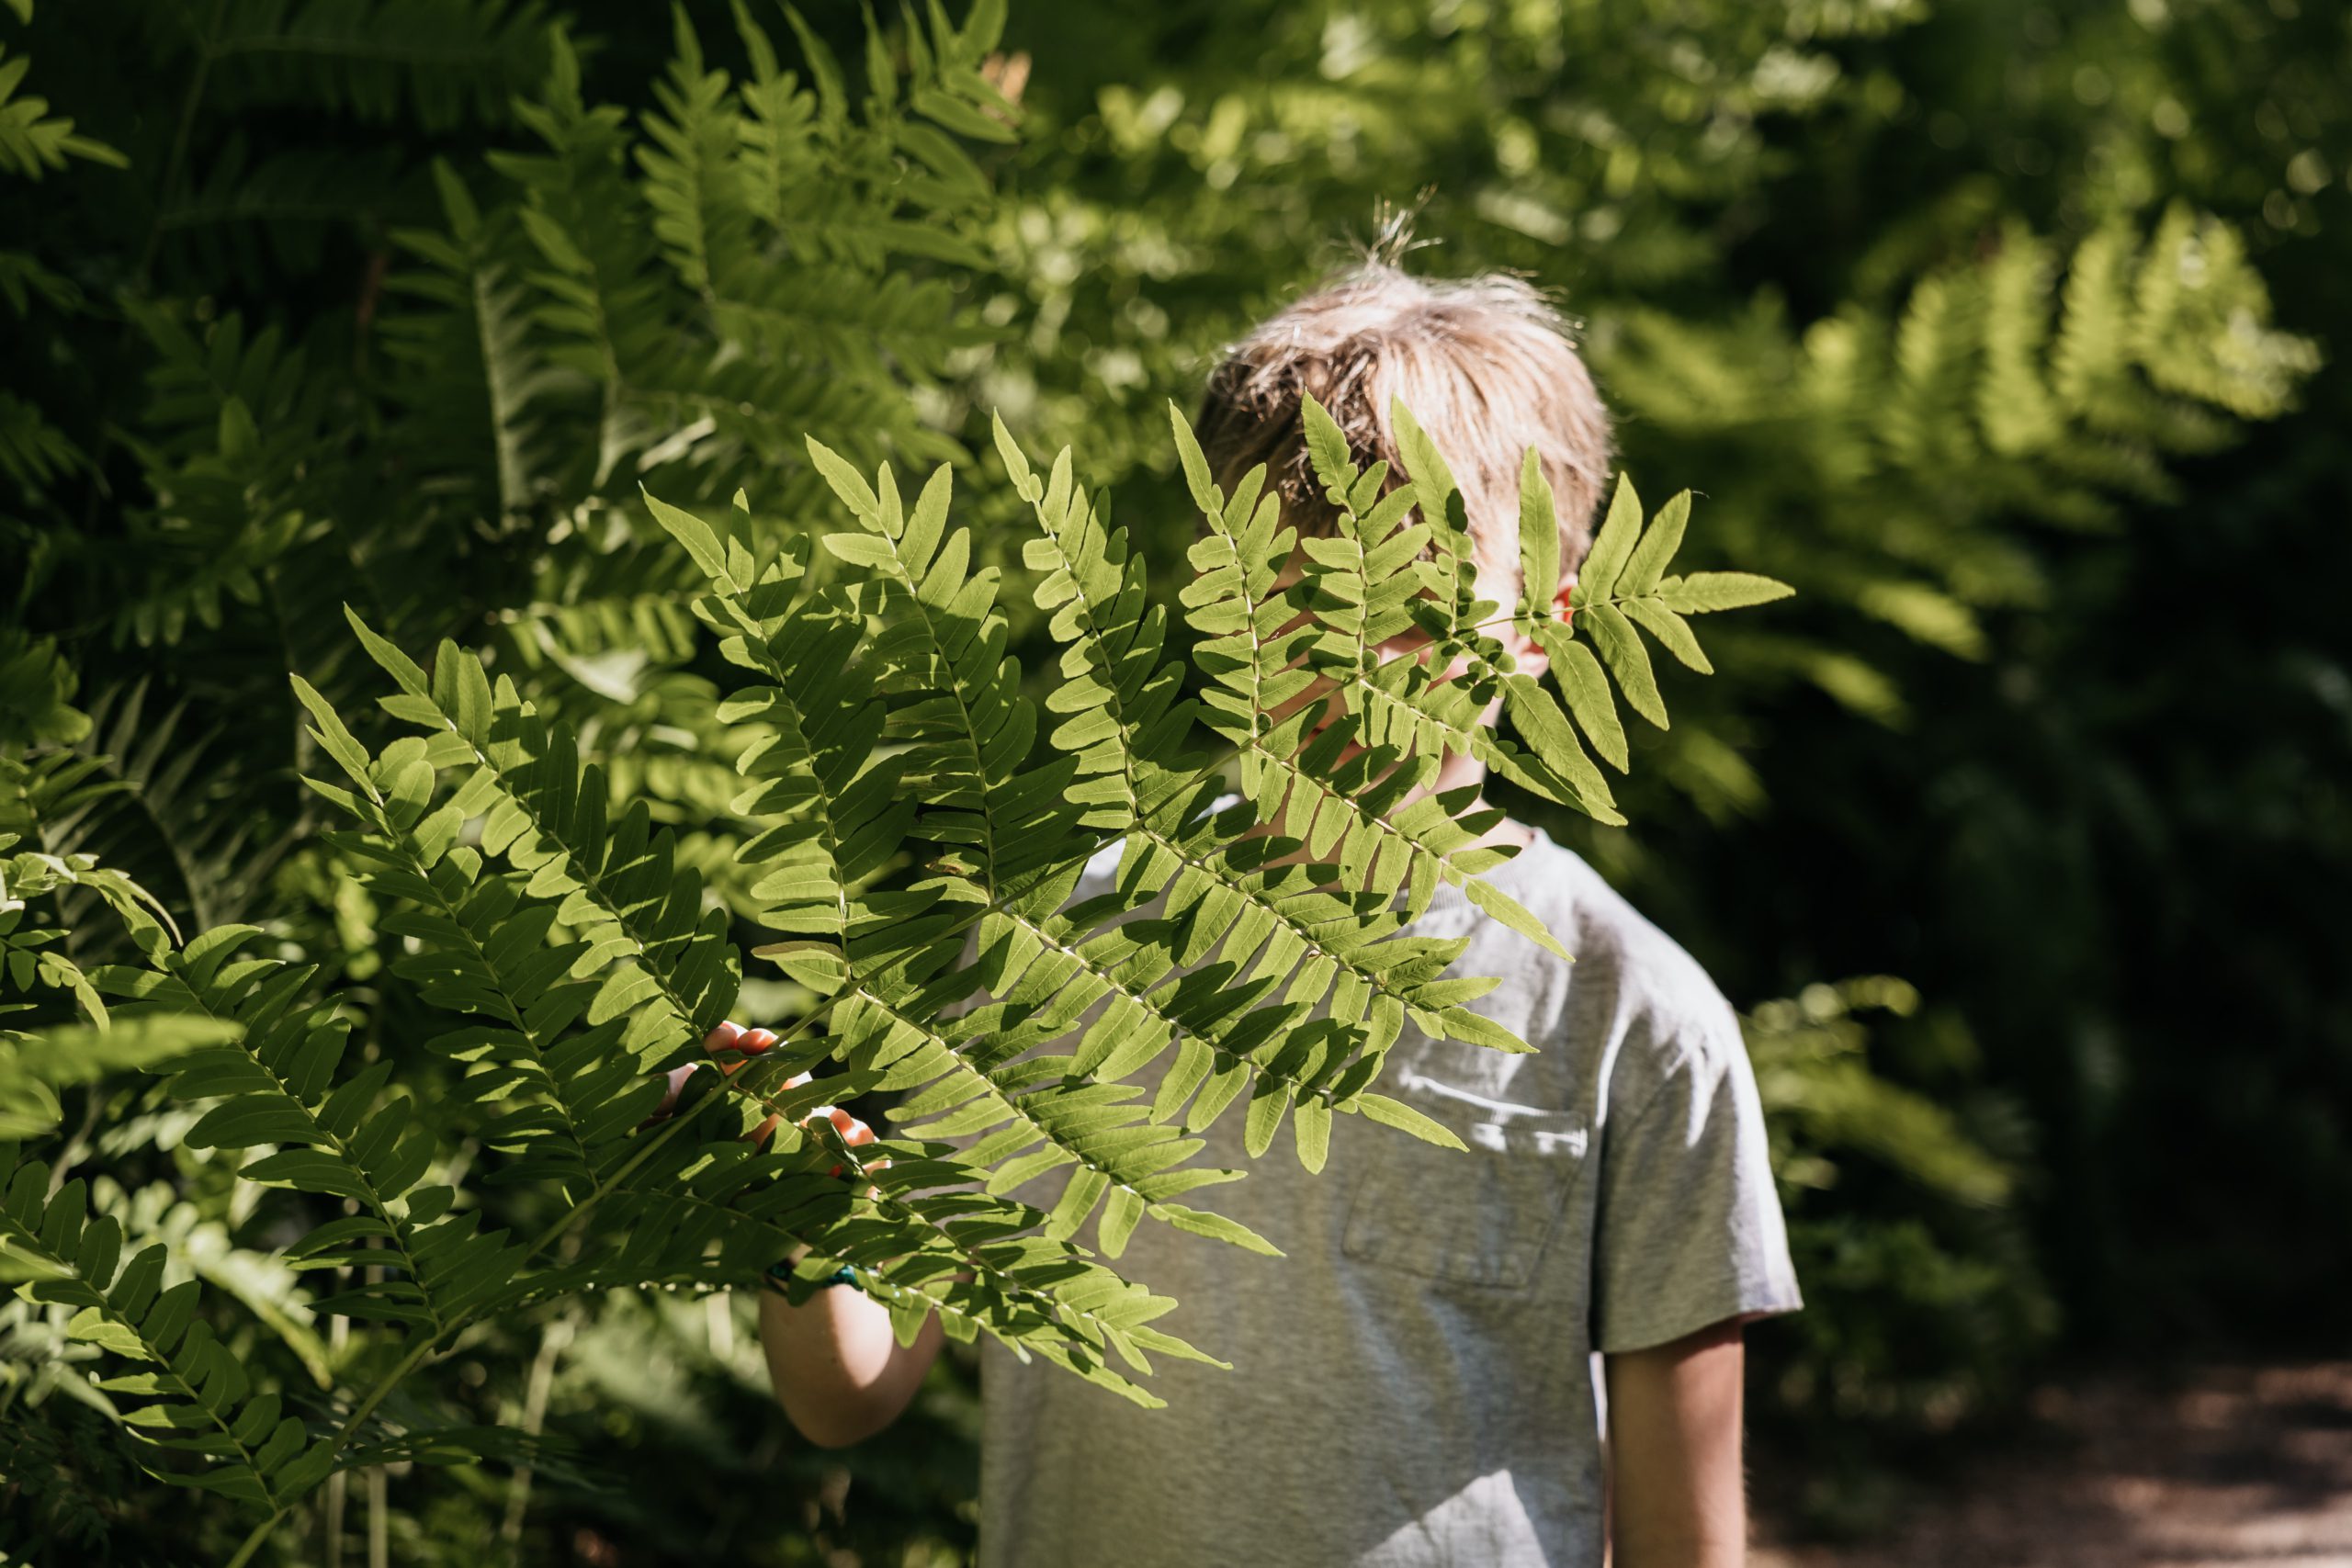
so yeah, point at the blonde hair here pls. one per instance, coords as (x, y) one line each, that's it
(1485, 364)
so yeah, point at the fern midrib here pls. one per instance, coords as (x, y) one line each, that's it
(664, 980)
(831, 828)
(1251, 605)
(697, 107)
(618, 386)
(503, 404)
(517, 1016)
(968, 732)
(1106, 667)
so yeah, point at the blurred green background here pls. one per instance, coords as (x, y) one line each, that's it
(2002, 331)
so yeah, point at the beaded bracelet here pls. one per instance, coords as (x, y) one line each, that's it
(844, 1275)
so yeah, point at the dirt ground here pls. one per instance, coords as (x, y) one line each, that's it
(2232, 1465)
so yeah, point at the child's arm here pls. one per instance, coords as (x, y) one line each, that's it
(1676, 1492)
(1691, 1246)
(838, 1368)
(839, 1372)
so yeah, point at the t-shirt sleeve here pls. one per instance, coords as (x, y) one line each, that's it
(1690, 1227)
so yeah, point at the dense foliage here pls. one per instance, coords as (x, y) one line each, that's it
(396, 303)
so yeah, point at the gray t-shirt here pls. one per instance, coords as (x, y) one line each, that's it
(1412, 1383)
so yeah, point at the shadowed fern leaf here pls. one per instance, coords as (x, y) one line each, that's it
(203, 1402)
(279, 1084)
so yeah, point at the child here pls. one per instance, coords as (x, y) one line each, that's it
(1413, 1383)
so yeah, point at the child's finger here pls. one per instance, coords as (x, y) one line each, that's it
(722, 1038)
(744, 1042)
(758, 1137)
(853, 1132)
(730, 1036)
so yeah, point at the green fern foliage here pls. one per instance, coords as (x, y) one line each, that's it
(198, 1398)
(34, 1066)
(36, 956)
(336, 1134)
(2059, 383)
(32, 140)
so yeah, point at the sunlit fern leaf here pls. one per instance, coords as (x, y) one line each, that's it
(565, 1094)
(869, 951)
(1623, 585)
(2014, 406)
(1346, 813)
(617, 879)
(1230, 901)
(1125, 720)
(2202, 322)
(668, 1215)
(1368, 584)
(1261, 961)
(47, 971)
(197, 1398)
(1401, 699)
(831, 814)
(956, 697)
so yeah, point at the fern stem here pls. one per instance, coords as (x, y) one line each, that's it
(553, 1341)
(253, 1542)
(207, 49)
(384, 1386)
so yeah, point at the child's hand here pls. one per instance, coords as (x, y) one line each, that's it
(745, 1042)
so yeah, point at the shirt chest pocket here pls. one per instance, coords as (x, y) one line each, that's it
(1480, 1215)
